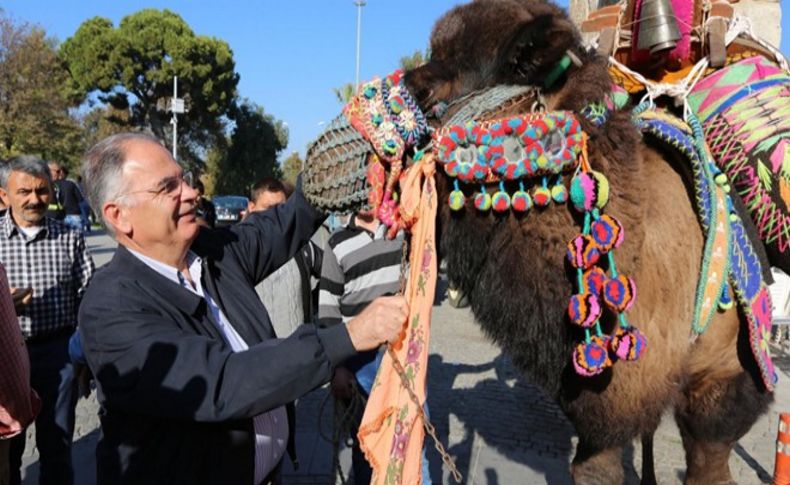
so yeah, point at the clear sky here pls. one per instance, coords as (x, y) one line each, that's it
(289, 54)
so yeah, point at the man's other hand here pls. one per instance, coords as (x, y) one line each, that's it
(21, 298)
(381, 322)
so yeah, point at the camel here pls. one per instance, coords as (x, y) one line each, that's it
(513, 266)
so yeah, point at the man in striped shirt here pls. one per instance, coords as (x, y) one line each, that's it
(360, 264)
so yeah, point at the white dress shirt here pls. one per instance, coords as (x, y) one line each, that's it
(271, 427)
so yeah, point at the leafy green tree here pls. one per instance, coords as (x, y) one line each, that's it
(345, 92)
(291, 167)
(101, 122)
(131, 67)
(417, 59)
(35, 95)
(252, 150)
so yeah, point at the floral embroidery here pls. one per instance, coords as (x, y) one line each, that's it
(415, 349)
(425, 268)
(400, 441)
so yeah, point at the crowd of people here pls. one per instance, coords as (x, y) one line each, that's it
(198, 339)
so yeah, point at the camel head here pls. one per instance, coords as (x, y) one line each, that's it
(518, 42)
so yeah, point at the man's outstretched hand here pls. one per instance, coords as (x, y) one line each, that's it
(380, 322)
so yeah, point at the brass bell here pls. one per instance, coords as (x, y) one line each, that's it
(658, 27)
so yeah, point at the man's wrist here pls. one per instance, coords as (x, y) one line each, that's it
(354, 333)
(337, 343)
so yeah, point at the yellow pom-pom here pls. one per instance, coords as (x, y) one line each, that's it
(602, 189)
(457, 200)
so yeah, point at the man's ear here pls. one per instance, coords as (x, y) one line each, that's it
(116, 215)
(4, 196)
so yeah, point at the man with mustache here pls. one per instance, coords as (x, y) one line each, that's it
(191, 379)
(46, 257)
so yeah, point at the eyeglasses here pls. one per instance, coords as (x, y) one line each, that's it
(168, 187)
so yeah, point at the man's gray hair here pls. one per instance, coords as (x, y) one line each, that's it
(102, 169)
(28, 164)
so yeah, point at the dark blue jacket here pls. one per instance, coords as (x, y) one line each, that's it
(176, 402)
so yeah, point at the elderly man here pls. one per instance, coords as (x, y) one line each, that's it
(191, 380)
(46, 256)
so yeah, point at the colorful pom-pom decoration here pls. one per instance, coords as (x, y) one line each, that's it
(521, 201)
(602, 189)
(720, 179)
(501, 201)
(541, 196)
(593, 280)
(607, 232)
(582, 192)
(592, 357)
(725, 300)
(582, 252)
(589, 190)
(369, 91)
(559, 194)
(483, 201)
(619, 293)
(584, 310)
(628, 343)
(457, 200)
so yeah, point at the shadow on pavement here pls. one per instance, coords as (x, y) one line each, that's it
(516, 421)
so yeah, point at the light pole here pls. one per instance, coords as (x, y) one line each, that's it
(177, 108)
(359, 4)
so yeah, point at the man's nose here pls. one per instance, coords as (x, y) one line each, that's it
(188, 192)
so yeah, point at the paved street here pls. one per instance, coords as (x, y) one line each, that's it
(499, 429)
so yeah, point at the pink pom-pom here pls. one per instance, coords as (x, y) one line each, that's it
(584, 309)
(592, 357)
(607, 232)
(628, 343)
(619, 293)
(593, 280)
(582, 252)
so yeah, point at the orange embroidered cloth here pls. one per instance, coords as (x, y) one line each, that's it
(391, 433)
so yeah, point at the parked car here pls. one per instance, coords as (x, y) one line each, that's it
(230, 208)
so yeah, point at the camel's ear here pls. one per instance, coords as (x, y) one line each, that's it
(537, 46)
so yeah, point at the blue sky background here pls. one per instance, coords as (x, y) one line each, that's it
(289, 54)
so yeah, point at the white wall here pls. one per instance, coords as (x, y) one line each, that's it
(780, 293)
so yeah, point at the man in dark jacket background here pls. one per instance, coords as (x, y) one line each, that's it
(65, 205)
(190, 378)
